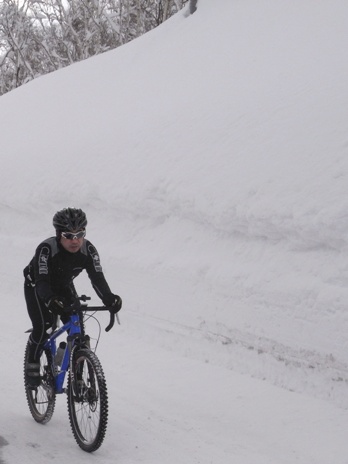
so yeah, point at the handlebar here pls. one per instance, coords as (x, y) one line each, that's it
(104, 308)
(78, 307)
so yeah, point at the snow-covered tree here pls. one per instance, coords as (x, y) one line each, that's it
(40, 36)
(16, 66)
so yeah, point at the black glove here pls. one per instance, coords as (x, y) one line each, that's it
(113, 300)
(57, 305)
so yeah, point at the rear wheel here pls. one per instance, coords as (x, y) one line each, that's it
(42, 399)
(87, 400)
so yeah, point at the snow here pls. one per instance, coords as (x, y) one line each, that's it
(210, 156)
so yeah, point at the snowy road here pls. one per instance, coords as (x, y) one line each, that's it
(167, 406)
(210, 156)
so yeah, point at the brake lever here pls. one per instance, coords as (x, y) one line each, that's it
(112, 321)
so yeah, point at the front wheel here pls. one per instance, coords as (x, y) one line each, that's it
(42, 399)
(87, 400)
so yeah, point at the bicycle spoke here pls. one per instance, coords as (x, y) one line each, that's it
(41, 400)
(87, 400)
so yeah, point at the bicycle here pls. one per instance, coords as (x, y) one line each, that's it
(86, 385)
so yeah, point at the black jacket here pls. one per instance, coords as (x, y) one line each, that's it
(53, 269)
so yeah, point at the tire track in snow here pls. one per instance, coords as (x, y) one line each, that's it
(299, 370)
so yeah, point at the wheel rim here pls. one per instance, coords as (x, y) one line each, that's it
(87, 405)
(88, 402)
(41, 400)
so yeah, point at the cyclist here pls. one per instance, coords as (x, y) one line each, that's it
(49, 287)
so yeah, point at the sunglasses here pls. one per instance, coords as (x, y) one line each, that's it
(73, 235)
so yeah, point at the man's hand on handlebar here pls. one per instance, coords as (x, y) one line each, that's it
(57, 305)
(113, 301)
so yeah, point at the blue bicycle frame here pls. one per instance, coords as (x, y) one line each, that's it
(73, 327)
(75, 330)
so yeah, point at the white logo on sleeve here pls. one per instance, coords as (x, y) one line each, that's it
(43, 260)
(96, 260)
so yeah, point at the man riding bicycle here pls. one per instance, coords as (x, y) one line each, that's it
(49, 287)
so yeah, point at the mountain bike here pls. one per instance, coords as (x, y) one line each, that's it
(86, 386)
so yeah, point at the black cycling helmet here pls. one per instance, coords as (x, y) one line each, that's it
(69, 219)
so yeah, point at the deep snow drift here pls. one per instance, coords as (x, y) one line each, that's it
(211, 158)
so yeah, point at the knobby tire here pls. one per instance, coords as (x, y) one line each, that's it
(42, 399)
(87, 400)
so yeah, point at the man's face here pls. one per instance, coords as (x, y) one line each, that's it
(72, 241)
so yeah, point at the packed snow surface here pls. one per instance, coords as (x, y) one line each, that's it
(211, 158)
